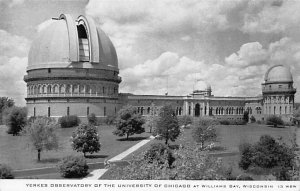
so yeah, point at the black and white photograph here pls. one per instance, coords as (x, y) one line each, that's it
(149, 95)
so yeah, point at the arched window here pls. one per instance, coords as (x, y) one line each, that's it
(280, 110)
(148, 110)
(274, 110)
(55, 89)
(180, 111)
(285, 109)
(49, 89)
(68, 88)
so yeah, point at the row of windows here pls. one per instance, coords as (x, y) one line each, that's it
(68, 111)
(71, 89)
(269, 111)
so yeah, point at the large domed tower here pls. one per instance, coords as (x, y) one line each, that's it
(278, 92)
(72, 70)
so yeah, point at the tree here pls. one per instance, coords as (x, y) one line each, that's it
(5, 103)
(86, 139)
(204, 131)
(269, 154)
(167, 124)
(42, 134)
(129, 122)
(15, 119)
(246, 117)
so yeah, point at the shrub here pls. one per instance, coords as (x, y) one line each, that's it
(92, 119)
(246, 151)
(268, 154)
(252, 119)
(110, 120)
(86, 139)
(15, 119)
(274, 120)
(190, 164)
(160, 153)
(5, 172)
(73, 167)
(244, 177)
(224, 122)
(69, 121)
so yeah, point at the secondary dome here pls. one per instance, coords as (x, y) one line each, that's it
(201, 85)
(67, 43)
(278, 73)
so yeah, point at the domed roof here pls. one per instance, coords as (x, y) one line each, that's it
(279, 73)
(62, 45)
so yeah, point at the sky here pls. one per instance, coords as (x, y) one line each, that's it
(169, 46)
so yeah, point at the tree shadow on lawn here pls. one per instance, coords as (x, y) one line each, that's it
(132, 139)
(49, 160)
(96, 156)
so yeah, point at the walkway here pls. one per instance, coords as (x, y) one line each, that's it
(96, 174)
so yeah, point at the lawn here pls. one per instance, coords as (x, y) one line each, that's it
(16, 151)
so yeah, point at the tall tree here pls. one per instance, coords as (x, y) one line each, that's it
(167, 124)
(204, 131)
(129, 122)
(42, 134)
(86, 139)
(15, 119)
(5, 103)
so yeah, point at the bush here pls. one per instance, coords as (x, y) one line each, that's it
(73, 167)
(15, 119)
(268, 154)
(244, 177)
(69, 121)
(274, 120)
(252, 119)
(246, 151)
(92, 119)
(110, 120)
(5, 172)
(160, 153)
(224, 122)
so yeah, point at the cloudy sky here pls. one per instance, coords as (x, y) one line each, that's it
(167, 45)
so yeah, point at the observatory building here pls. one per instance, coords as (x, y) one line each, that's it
(73, 70)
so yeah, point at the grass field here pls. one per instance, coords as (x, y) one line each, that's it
(16, 151)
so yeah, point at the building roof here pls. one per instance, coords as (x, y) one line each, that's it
(59, 46)
(279, 73)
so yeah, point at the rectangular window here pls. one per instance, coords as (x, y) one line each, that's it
(68, 111)
(34, 112)
(87, 111)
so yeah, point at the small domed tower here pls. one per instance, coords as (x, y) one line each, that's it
(72, 70)
(278, 92)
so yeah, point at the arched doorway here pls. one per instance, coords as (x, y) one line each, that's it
(197, 110)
